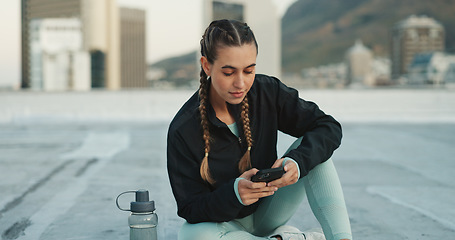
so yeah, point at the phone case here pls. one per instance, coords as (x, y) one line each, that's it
(268, 175)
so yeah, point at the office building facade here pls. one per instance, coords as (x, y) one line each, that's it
(100, 35)
(359, 62)
(57, 61)
(416, 34)
(133, 48)
(39, 9)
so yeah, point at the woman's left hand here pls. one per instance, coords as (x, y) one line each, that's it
(290, 177)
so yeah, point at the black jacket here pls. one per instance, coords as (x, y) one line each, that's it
(273, 107)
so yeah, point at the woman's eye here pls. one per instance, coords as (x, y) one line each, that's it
(248, 70)
(227, 74)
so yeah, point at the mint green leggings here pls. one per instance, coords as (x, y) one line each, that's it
(325, 197)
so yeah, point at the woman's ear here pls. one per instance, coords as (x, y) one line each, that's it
(205, 65)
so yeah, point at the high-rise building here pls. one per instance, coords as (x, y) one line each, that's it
(228, 10)
(57, 61)
(359, 61)
(38, 9)
(432, 68)
(263, 18)
(415, 34)
(132, 48)
(100, 35)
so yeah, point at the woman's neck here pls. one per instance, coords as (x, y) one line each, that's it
(221, 110)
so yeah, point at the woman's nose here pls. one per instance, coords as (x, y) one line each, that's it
(239, 81)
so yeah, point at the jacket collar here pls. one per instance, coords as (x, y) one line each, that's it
(234, 109)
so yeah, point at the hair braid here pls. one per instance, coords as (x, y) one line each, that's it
(245, 161)
(203, 93)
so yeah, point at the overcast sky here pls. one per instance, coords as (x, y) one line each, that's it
(167, 34)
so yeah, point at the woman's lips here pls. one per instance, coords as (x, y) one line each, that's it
(237, 94)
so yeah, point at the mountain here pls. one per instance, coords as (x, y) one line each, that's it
(180, 69)
(317, 32)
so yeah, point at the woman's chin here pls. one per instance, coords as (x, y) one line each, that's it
(235, 101)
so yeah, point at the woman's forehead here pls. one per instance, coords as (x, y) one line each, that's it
(236, 56)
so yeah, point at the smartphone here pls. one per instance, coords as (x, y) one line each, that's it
(268, 175)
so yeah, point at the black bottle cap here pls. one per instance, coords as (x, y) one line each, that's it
(142, 203)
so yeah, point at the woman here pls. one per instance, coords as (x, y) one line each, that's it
(228, 130)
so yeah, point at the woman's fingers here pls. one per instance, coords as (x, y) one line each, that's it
(278, 163)
(255, 187)
(251, 198)
(290, 177)
(248, 174)
(251, 192)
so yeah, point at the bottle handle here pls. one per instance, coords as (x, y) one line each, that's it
(116, 200)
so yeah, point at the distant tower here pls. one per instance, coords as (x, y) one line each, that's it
(132, 48)
(38, 9)
(415, 34)
(262, 16)
(359, 60)
(57, 61)
(100, 35)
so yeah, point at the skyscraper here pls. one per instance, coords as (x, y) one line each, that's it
(132, 48)
(100, 34)
(36, 9)
(415, 34)
(57, 61)
(359, 61)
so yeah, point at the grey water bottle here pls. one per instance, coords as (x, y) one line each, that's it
(143, 220)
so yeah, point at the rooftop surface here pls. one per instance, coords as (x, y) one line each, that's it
(64, 158)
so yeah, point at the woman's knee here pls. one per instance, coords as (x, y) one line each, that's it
(203, 231)
(206, 230)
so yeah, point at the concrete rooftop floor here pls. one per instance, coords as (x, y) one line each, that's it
(59, 179)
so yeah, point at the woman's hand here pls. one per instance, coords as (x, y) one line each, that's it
(250, 192)
(290, 177)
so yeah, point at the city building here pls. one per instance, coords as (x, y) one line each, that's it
(133, 48)
(38, 9)
(100, 35)
(359, 69)
(415, 34)
(262, 16)
(381, 71)
(101, 31)
(324, 76)
(57, 61)
(359, 62)
(432, 68)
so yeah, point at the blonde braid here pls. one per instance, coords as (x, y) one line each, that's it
(203, 94)
(245, 161)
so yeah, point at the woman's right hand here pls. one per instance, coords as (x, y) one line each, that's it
(250, 192)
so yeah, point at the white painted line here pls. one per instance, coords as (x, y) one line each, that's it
(440, 207)
(100, 145)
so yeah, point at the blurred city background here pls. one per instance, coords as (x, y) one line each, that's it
(88, 88)
(82, 44)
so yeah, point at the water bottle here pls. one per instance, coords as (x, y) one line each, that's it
(143, 221)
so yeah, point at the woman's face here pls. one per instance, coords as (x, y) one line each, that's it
(232, 74)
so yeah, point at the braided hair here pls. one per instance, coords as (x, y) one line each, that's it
(223, 33)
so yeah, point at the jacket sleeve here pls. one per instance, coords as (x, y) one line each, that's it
(299, 118)
(196, 200)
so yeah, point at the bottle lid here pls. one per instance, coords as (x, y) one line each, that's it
(142, 203)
